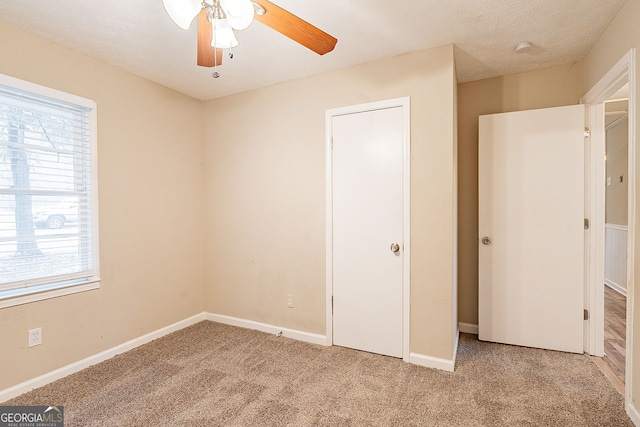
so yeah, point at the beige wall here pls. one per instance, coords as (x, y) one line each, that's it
(265, 194)
(549, 87)
(151, 213)
(621, 35)
(617, 159)
(265, 203)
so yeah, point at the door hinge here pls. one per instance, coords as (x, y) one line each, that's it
(586, 314)
(586, 223)
(332, 143)
(331, 304)
(587, 132)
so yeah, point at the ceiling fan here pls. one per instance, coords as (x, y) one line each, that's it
(218, 18)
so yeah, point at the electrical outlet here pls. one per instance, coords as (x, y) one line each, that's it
(35, 337)
(290, 301)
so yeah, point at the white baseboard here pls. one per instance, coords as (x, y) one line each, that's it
(432, 362)
(613, 285)
(633, 414)
(436, 362)
(52, 376)
(270, 329)
(468, 328)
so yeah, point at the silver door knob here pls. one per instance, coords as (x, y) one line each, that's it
(486, 240)
(395, 247)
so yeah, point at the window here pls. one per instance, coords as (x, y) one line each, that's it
(48, 194)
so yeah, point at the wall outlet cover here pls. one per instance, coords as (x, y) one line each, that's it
(35, 337)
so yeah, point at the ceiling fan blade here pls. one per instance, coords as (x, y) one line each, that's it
(295, 28)
(208, 56)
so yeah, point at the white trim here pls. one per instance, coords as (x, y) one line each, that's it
(329, 228)
(95, 195)
(615, 272)
(59, 373)
(631, 236)
(406, 245)
(616, 227)
(468, 328)
(405, 104)
(616, 287)
(624, 70)
(633, 413)
(270, 329)
(594, 250)
(448, 365)
(26, 86)
(25, 298)
(612, 81)
(432, 362)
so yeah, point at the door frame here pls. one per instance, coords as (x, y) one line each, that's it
(623, 71)
(403, 103)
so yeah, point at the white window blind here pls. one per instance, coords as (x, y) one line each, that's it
(48, 223)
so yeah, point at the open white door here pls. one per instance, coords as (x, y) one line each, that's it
(531, 226)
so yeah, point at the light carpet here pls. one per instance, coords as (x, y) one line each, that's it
(211, 374)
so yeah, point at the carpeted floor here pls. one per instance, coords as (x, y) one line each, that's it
(217, 375)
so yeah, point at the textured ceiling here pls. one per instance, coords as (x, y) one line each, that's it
(138, 36)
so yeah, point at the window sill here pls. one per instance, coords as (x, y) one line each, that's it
(15, 297)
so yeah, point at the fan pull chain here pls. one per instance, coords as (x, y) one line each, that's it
(215, 74)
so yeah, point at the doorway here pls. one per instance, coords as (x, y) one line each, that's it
(623, 73)
(367, 231)
(616, 110)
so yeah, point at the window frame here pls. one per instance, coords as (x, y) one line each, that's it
(52, 289)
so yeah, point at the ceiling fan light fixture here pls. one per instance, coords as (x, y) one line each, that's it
(239, 13)
(182, 12)
(216, 25)
(223, 37)
(258, 9)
